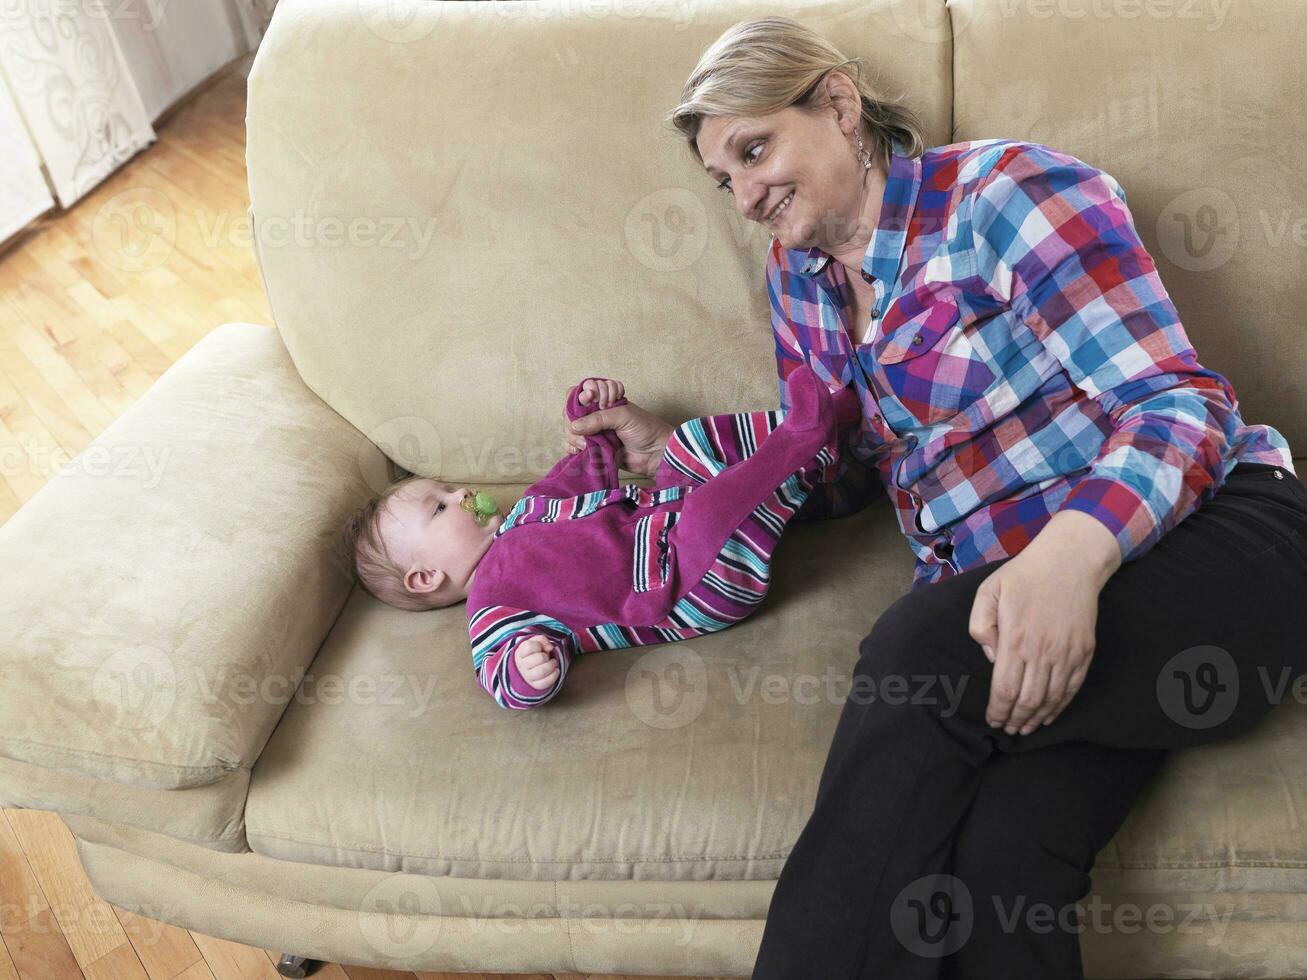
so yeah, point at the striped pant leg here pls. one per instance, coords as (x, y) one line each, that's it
(707, 448)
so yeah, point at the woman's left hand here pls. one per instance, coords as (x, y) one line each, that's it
(1035, 617)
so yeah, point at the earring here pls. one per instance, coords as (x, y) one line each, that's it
(864, 157)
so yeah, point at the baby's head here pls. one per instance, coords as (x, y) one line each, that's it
(416, 544)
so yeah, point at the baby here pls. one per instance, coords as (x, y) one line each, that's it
(583, 562)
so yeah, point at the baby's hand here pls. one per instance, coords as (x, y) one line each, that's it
(605, 390)
(535, 662)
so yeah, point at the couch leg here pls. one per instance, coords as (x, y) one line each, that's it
(297, 967)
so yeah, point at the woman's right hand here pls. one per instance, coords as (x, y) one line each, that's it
(643, 435)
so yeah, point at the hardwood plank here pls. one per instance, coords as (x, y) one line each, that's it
(120, 963)
(200, 971)
(165, 950)
(372, 973)
(7, 969)
(234, 961)
(31, 931)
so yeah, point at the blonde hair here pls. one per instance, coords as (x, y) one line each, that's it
(765, 64)
(365, 547)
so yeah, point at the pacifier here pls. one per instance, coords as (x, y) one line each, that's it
(481, 506)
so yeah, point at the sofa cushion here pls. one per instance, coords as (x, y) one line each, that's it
(690, 760)
(678, 761)
(164, 588)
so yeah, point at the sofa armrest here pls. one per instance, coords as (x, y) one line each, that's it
(167, 589)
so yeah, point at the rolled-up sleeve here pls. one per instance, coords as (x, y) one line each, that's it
(1054, 238)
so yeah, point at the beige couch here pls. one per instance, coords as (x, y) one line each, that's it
(461, 210)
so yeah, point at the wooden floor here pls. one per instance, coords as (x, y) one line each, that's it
(96, 303)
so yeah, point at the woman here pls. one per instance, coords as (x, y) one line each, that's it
(1114, 557)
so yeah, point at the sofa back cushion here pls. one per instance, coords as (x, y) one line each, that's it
(463, 209)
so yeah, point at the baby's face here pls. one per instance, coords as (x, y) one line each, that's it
(436, 541)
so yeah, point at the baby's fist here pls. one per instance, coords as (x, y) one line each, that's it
(605, 390)
(535, 662)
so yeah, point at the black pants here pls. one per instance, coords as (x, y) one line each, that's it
(930, 827)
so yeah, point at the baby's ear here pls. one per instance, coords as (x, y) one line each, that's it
(424, 582)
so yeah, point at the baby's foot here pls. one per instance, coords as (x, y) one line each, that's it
(810, 401)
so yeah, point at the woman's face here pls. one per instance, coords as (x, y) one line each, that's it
(811, 155)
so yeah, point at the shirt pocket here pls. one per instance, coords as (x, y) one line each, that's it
(930, 366)
(653, 550)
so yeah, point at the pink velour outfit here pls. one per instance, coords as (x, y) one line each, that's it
(594, 564)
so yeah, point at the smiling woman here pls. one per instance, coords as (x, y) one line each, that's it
(1020, 337)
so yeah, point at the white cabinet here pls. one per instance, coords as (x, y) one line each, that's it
(24, 195)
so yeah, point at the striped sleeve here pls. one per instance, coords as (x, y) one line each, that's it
(496, 632)
(1054, 238)
(849, 484)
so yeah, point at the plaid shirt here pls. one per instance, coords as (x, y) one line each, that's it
(1024, 358)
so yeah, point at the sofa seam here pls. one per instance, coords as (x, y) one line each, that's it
(225, 765)
(428, 857)
(739, 857)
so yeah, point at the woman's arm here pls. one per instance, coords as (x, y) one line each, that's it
(1053, 237)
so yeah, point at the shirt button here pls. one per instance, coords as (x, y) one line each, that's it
(917, 339)
(875, 313)
(876, 417)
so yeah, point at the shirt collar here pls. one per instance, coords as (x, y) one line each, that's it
(885, 250)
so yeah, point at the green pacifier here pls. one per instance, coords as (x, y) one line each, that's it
(481, 506)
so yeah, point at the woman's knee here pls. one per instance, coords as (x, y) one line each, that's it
(997, 853)
(919, 653)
